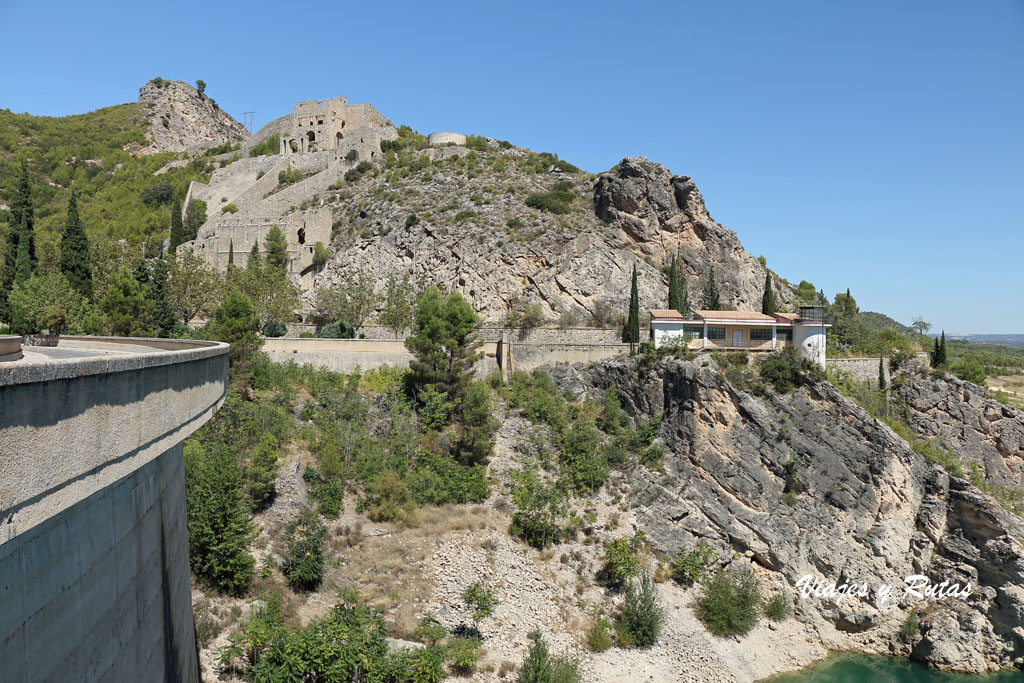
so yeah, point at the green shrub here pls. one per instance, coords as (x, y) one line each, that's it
(429, 630)
(289, 175)
(545, 201)
(599, 637)
(777, 607)
(787, 369)
(229, 208)
(480, 600)
(464, 215)
(622, 557)
(642, 615)
(729, 602)
(969, 370)
(910, 627)
(464, 653)
(272, 145)
(535, 529)
(306, 335)
(338, 330)
(352, 155)
(477, 142)
(328, 492)
(689, 565)
(304, 563)
(275, 329)
(540, 667)
(388, 498)
(425, 665)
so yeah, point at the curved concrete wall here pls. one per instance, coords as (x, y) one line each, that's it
(94, 575)
(445, 138)
(10, 348)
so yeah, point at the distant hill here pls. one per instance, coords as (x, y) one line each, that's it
(877, 321)
(1001, 339)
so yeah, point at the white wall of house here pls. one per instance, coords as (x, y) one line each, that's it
(810, 342)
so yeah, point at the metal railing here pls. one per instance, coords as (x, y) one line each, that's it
(729, 344)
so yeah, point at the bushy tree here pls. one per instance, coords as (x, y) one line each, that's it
(540, 667)
(443, 342)
(304, 564)
(768, 298)
(75, 260)
(44, 302)
(219, 528)
(272, 294)
(711, 299)
(397, 313)
(193, 286)
(352, 300)
(235, 323)
(476, 428)
(129, 313)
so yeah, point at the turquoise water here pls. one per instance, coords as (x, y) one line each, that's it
(848, 667)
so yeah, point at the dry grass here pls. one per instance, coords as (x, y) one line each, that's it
(1012, 385)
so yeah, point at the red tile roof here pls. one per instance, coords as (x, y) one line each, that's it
(666, 314)
(747, 316)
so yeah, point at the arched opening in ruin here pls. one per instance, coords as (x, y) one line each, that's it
(337, 139)
(311, 136)
(293, 145)
(302, 235)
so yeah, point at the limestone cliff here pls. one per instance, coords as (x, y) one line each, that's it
(809, 483)
(182, 119)
(465, 223)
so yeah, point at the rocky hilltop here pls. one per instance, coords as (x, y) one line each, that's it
(472, 230)
(183, 119)
(864, 506)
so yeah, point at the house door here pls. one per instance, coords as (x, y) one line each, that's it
(737, 338)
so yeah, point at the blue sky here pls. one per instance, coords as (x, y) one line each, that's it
(872, 145)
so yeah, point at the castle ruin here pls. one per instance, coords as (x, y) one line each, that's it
(321, 140)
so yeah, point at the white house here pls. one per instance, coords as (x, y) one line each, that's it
(744, 330)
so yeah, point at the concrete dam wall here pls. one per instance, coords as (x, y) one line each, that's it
(94, 573)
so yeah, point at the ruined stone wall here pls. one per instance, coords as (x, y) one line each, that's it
(446, 139)
(861, 368)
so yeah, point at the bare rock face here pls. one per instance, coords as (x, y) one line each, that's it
(663, 214)
(961, 416)
(474, 233)
(183, 120)
(809, 483)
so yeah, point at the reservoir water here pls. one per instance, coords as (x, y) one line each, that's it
(847, 667)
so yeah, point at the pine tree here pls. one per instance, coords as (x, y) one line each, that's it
(673, 286)
(141, 273)
(768, 299)
(177, 228)
(276, 247)
(631, 334)
(75, 260)
(164, 317)
(231, 253)
(711, 298)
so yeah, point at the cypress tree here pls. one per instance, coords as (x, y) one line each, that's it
(231, 253)
(276, 247)
(711, 299)
(75, 262)
(942, 350)
(177, 228)
(254, 257)
(23, 261)
(768, 299)
(935, 354)
(631, 334)
(164, 316)
(141, 272)
(673, 286)
(881, 373)
(21, 223)
(195, 216)
(684, 297)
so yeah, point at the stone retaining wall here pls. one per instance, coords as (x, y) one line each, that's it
(861, 368)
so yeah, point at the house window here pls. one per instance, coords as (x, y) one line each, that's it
(691, 332)
(761, 334)
(785, 335)
(716, 333)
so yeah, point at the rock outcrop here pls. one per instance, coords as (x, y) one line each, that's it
(473, 232)
(182, 119)
(962, 417)
(810, 484)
